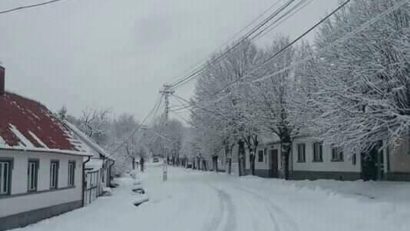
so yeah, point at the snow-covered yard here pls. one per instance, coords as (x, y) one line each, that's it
(205, 201)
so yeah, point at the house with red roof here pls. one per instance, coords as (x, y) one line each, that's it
(41, 162)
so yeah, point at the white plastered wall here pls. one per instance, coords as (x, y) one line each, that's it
(32, 201)
(327, 165)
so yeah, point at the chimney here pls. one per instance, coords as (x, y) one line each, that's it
(2, 80)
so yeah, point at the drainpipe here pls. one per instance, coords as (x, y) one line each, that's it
(82, 188)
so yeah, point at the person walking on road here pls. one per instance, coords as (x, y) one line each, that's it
(142, 164)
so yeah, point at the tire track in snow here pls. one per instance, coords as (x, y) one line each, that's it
(255, 207)
(286, 224)
(225, 213)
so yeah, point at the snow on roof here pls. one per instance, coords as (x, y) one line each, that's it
(265, 138)
(87, 140)
(28, 125)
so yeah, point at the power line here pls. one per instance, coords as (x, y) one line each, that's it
(287, 46)
(244, 38)
(341, 39)
(232, 38)
(203, 108)
(153, 111)
(181, 117)
(283, 18)
(28, 6)
(182, 108)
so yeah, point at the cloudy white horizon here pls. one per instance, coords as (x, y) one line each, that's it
(117, 54)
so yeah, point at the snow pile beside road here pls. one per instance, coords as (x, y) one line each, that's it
(334, 205)
(394, 192)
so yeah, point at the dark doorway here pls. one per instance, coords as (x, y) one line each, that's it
(273, 171)
(373, 164)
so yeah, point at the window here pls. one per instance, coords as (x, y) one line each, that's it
(317, 152)
(337, 154)
(301, 153)
(260, 156)
(32, 175)
(5, 177)
(71, 173)
(54, 174)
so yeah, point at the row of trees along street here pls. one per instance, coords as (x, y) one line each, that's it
(350, 87)
(110, 132)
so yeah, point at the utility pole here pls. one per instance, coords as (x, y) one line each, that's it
(166, 92)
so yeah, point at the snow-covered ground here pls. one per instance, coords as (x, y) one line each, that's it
(205, 201)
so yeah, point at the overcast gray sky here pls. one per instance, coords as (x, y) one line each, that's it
(117, 53)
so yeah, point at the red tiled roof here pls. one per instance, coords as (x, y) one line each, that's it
(25, 123)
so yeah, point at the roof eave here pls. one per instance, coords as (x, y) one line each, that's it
(56, 151)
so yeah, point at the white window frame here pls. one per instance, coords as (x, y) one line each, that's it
(317, 152)
(54, 167)
(259, 155)
(337, 154)
(300, 160)
(71, 173)
(5, 177)
(32, 175)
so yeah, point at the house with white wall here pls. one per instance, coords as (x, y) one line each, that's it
(267, 159)
(311, 159)
(41, 162)
(98, 168)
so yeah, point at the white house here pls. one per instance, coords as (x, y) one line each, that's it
(267, 158)
(98, 168)
(41, 162)
(311, 159)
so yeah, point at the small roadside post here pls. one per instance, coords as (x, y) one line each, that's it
(164, 171)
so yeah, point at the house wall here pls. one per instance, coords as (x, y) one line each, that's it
(399, 161)
(263, 168)
(327, 169)
(23, 207)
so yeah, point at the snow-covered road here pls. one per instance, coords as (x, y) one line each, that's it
(205, 201)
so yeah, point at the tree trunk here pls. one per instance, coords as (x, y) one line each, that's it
(241, 157)
(229, 165)
(215, 163)
(285, 157)
(252, 161)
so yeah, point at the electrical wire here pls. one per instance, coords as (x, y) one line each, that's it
(341, 39)
(28, 6)
(276, 54)
(154, 110)
(296, 9)
(232, 38)
(244, 38)
(181, 117)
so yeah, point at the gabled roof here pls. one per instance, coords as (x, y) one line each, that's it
(28, 125)
(87, 140)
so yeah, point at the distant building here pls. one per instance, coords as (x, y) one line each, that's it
(41, 162)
